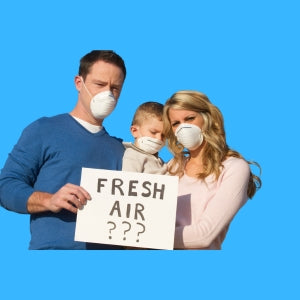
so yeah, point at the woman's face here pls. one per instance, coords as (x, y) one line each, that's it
(179, 116)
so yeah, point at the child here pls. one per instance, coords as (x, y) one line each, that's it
(146, 128)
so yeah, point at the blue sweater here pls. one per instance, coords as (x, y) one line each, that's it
(49, 154)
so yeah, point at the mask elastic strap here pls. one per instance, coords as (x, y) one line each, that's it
(86, 87)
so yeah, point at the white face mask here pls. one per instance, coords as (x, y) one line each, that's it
(149, 144)
(189, 135)
(102, 104)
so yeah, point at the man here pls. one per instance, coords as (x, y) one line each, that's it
(42, 173)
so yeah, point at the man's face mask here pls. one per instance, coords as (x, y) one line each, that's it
(102, 104)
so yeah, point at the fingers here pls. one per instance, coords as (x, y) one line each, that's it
(78, 191)
(71, 197)
(76, 196)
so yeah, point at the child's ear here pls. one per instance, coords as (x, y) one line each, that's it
(134, 131)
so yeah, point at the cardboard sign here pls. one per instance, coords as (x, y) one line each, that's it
(128, 209)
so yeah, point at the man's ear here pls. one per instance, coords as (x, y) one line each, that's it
(134, 131)
(78, 82)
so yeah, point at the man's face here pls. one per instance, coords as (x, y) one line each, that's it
(103, 76)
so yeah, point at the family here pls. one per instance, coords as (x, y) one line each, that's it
(41, 176)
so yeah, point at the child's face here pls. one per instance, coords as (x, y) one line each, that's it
(151, 127)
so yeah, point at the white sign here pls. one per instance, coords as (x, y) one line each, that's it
(128, 209)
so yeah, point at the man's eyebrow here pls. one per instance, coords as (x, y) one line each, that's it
(99, 81)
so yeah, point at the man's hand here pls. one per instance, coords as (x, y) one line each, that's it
(70, 197)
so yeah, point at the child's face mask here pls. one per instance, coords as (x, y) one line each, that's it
(149, 144)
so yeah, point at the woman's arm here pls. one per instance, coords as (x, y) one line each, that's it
(230, 196)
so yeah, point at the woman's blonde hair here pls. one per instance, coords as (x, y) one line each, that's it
(215, 150)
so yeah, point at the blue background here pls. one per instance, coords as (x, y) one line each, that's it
(244, 55)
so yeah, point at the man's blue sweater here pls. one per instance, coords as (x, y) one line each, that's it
(49, 154)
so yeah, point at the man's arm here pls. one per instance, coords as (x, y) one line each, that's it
(70, 197)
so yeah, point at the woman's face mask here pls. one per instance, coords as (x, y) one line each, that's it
(102, 104)
(189, 135)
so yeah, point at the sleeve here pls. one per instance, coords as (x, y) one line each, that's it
(230, 196)
(132, 161)
(19, 173)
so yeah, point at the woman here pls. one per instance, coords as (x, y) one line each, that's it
(215, 181)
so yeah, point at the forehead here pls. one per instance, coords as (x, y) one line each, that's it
(152, 123)
(106, 71)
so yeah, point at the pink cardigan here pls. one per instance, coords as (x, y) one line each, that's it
(206, 208)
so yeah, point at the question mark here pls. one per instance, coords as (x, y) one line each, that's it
(114, 227)
(129, 226)
(140, 231)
